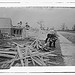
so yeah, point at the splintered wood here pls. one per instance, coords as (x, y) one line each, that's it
(28, 55)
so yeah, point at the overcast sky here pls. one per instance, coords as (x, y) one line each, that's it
(50, 16)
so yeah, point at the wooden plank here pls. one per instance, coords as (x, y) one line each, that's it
(14, 59)
(30, 52)
(26, 62)
(42, 54)
(8, 52)
(34, 59)
(55, 63)
(6, 65)
(32, 48)
(11, 49)
(5, 55)
(33, 42)
(41, 58)
(41, 61)
(20, 55)
(26, 53)
(11, 63)
(7, 49)
(18, 44)
(50, 55)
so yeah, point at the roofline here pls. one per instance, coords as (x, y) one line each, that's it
(4, 18)
(16, 28)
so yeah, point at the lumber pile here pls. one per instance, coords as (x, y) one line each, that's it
(28, 55)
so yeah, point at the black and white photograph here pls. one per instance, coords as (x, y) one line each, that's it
(37, 36)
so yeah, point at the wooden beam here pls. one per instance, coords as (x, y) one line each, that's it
(6, 55)
(20, 55)
(8, 52)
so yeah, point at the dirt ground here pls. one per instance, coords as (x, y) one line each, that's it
(57, 51)
(68, 47)
(58, 59)
(69, 35)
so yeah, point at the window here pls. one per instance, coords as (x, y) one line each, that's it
(17, 31)
(14, 31)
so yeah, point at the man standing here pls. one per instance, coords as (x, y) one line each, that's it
(1, 35)
(1, 38)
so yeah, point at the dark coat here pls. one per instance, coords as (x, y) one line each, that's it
(53, 37)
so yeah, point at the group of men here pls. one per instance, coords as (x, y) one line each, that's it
(51, 38)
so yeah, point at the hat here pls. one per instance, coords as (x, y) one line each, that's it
(52, 32)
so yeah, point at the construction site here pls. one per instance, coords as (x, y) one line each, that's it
(20, 46)
(25, 41)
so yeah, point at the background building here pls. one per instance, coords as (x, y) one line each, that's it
(5, 25)
(16, 31)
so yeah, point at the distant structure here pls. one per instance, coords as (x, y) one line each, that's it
(5, 25)
(19, 30)
(16, 31)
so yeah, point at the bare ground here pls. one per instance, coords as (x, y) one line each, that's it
(57, 51)
(69, 35)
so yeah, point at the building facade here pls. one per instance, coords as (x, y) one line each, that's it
(5, 25)
(16, 31)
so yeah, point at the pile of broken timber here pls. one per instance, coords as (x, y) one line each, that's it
(27, 55)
